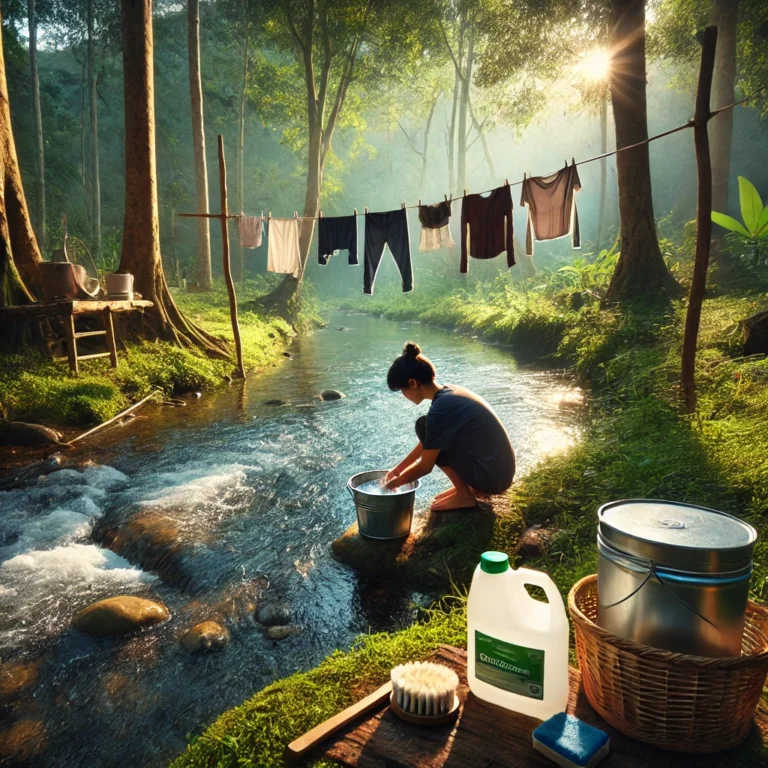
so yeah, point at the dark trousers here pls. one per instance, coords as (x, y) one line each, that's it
(390, 228)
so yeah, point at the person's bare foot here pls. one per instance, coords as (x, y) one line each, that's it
(453, 501)
(444, 494)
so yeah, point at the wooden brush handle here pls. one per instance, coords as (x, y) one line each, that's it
(319, 733)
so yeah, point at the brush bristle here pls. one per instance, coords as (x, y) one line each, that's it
(424, 688)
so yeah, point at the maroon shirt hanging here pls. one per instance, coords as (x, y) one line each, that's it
(489, 220)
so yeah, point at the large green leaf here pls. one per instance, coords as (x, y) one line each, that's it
(762, 225)
(751, 204)
(729, 223)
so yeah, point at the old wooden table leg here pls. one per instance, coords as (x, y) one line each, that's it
(111, 344)
(69, 326)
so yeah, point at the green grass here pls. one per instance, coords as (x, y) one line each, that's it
(35, 389)
(636, 443)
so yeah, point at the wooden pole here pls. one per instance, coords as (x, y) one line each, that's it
(703, 219)
(225, 252)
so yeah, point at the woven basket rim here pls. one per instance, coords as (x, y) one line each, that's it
(650, 653)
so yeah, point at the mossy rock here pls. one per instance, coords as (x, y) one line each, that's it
(17, 678)
(443, 548)
(120, 615)
(21, 742)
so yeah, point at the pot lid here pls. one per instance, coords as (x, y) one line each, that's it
(676, 535)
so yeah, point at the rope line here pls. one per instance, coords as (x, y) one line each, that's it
(690, 124)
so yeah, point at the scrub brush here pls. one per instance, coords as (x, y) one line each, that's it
(424, 693)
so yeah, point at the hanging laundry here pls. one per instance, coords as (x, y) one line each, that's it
(552, 207)
(283, 254)
(390, 228)
(489, 220)
(250, 231)
(334, 234)
(435, 232)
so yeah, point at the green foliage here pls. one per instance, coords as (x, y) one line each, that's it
(754, 230)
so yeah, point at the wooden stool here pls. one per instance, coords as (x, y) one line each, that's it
(72, 336)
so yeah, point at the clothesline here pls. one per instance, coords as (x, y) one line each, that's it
(684, 126)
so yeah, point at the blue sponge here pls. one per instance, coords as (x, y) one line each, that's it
(567, 741)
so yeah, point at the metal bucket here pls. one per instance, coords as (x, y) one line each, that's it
(383, 517)
(674, 576)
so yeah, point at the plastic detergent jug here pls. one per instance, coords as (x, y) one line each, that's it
(517, 646)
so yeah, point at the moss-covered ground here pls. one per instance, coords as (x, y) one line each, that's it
(34, 388)
(637, 443)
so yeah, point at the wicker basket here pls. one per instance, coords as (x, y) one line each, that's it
(674, 701)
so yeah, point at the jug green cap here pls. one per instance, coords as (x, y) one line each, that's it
(494, 562)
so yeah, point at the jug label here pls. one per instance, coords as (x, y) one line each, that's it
(510, 667)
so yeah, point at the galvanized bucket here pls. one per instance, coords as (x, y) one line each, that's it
(383, 517)
(674, 576)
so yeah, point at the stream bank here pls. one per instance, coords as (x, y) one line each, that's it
(635, 444)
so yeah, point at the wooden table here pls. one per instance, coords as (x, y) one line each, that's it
(487, 736)
(68, 311)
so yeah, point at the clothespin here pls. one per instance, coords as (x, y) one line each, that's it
(466, 194)
(445, 197)
(573, 161)
(354, 210)
(506, 182)
(402, 205)
(295, 214)
(262, 214)
(270, 214)
(320, 214)
(419, 202)
(366, 209)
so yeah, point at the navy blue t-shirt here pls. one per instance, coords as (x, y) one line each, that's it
(471, 439)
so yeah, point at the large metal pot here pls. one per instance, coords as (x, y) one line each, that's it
(383, 517)
(674, 576)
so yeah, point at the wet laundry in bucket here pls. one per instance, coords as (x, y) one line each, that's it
(376, 488)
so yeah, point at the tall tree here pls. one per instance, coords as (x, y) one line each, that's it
(94, 120)
(141, 229)
(240, 272)
(38, 122)
(19, 252)
(641, 269)
(198, 144)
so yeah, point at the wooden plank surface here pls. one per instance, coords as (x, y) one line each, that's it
(76, 307)
(486, 736)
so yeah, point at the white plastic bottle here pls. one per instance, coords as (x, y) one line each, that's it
(517, 647)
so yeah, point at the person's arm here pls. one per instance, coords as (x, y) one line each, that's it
(421, 468)
(412, 457)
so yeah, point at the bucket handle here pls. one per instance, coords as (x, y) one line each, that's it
(351, 492)
(653, 573)
(540, 579)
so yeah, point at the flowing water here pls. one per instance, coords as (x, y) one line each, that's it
(239, 501)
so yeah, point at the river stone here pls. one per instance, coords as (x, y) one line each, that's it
(206, 636)
(21, 742)
(273, 615)
(120, 615)
(15, 679)
(21, 433)
(276, 401)
(534, 542)
(280, 633)
(331, 394)
(442, 549)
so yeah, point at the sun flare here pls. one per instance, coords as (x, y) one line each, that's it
(594, 65)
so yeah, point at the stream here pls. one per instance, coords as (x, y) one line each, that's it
(245, 498)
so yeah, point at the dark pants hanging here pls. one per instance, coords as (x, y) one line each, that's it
(390, 228)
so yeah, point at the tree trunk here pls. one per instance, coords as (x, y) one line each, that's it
(95, 174)
(198, 142)
(466, 80)
(141, 231)
(241, 157)
(603, 170)
(703, 220)
(38, 121)
(425, 149)
(19, 253)
(725, 17)
(641, 269)
(452, 132)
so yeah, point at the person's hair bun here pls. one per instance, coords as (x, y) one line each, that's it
(411, 349)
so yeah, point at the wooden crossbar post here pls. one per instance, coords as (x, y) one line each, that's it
(223, 216)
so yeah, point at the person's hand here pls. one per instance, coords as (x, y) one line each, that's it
(392, 480)
(391, 475)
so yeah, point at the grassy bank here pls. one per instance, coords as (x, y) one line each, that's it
(636, 444)
(35, 389)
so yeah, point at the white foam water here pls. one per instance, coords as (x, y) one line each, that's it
(376, 488)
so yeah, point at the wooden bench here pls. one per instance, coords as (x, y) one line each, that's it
(68, 311)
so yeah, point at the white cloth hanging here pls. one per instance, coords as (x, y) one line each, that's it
(250, 231)
(283, 256)
(435, 239)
